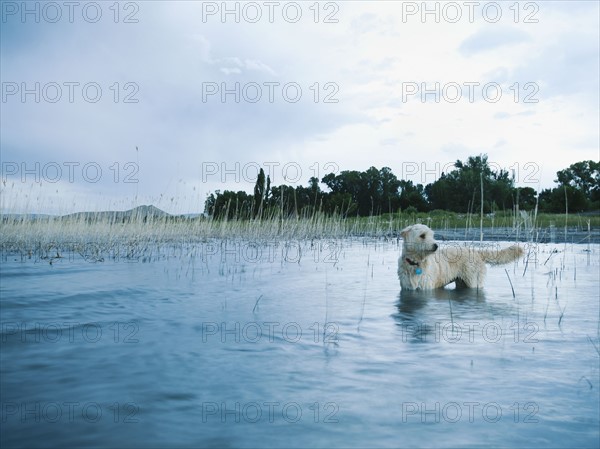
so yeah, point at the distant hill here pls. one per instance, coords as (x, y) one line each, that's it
(26, 216)
(137, 213)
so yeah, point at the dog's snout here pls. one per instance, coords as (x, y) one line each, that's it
(435, 246)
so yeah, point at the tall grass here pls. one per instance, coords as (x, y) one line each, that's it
(48, 237)
(84, 233)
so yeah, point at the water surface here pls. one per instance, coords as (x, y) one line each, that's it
(297, 344)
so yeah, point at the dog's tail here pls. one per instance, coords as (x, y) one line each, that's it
(502, 256)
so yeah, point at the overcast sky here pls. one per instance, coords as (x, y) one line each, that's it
(186, 98)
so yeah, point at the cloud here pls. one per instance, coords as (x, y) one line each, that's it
(230, 64)
(500, 143)
(390, 142)
(232, 71)
(361, 61)
(234, 65)
(502, 115)
(567, 66)
(491, 38)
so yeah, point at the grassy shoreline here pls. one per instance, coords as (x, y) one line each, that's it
(154, 238)
(161, 229)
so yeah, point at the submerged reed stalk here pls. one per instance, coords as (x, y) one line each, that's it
(511, 284)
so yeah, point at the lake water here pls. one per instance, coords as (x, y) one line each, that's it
(297, 344)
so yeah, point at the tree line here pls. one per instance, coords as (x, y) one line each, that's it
(378, 191)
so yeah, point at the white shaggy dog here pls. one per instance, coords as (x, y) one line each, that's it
(423, 267)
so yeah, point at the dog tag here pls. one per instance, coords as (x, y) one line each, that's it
(418, 270)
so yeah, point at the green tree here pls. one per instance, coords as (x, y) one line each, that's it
(209, 203)
(268, 189)
(440, 193)
(580, 183)
(527, 197)
(584, 175)
(553, 200)
(376, 191)
(372, 191)
(412, 196)
(259, 194)
(229, 205)
(460, 189)
(500, 191)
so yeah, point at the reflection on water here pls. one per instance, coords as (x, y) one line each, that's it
(417, 308)
(410, 301)
(326, 351)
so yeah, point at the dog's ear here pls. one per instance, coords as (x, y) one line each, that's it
(405, 231)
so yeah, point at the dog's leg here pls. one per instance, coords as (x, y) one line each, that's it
(474, 277)
(460, 283)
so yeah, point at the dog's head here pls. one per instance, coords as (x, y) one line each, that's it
(418, 240)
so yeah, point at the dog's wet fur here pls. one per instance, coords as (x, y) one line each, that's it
(423, 265)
